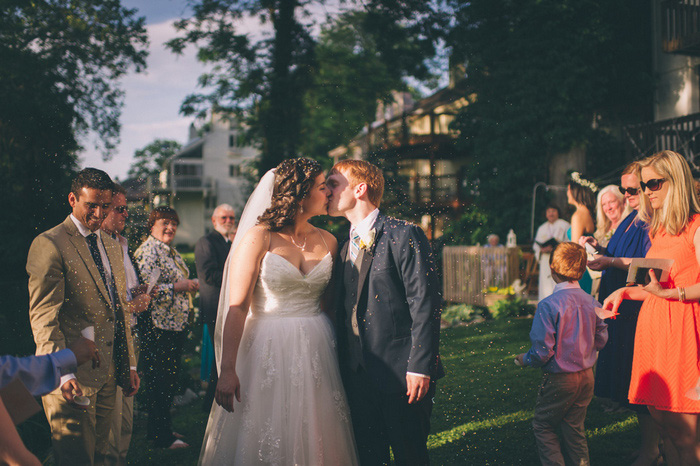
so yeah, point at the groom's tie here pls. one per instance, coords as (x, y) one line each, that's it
(354, 245)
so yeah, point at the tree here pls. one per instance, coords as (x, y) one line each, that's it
(150, 159)
(59, 65)
(351, 77)
(265, 79)
(88, 45)
(548, 76)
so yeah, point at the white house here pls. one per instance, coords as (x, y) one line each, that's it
(214, 167)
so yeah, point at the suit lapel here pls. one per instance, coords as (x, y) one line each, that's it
(81, 246)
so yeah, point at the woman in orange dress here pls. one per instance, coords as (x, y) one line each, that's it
(665, 369)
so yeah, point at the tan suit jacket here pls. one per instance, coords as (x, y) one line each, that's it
(67, 294)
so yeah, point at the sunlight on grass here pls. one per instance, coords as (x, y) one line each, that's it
(442, 438)
(622, 426)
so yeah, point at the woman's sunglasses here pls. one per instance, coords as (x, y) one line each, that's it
(631, 191)
(653, 185)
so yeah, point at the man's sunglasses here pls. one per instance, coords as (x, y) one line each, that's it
(122, 209)
(631, 191)
(653, 185)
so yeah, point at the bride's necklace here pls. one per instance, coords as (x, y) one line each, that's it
(302, 245)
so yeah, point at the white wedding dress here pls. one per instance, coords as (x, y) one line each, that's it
(293, 409)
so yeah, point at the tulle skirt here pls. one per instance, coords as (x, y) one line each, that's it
(293, 409)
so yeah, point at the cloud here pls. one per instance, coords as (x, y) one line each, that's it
(152, 102)
(152, 99)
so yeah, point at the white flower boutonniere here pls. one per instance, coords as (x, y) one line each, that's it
(367, 241)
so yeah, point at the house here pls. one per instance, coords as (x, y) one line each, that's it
(417, 135)
(676, 64)
(214, 167)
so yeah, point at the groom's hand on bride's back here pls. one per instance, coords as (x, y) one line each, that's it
(227, 387)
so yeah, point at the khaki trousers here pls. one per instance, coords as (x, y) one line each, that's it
(561, 404)
(122, 421)
(79, 436)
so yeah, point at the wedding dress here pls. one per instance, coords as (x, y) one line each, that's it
(293, 409)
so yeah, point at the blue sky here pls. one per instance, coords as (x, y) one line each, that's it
(152, 101)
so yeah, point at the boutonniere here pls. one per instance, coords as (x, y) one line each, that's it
(368, 241)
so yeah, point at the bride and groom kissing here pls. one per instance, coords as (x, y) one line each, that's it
(288, 393)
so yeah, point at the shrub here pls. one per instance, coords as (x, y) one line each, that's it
(459, 313)
(512, 307)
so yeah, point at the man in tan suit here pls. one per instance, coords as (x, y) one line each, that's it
(77, 281)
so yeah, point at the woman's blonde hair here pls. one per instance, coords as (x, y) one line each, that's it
(603, 223)
(680, 203)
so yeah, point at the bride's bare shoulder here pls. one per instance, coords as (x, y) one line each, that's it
(257, 237)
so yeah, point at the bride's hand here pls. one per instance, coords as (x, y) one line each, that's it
(228, 387)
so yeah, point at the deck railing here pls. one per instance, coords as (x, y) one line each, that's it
(469, 270)
(677, 134)
(681, 26)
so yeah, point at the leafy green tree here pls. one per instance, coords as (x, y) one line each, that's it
(88, 45)
(548, 76)
(59, 65)
(149, 160)
(351, 77)
(265, 79)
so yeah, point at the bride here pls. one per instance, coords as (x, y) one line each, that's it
(280, 399)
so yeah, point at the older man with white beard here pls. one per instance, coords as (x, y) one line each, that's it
(210, 255)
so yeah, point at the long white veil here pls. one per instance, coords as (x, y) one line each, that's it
(257, 203)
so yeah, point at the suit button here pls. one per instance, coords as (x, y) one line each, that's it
(109, 343)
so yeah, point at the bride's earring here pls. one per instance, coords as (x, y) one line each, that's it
(301, 209)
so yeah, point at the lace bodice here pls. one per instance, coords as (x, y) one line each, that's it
(283, 291)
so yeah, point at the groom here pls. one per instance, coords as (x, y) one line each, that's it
(387, 318)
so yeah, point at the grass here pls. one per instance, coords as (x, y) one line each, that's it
(485, 403)
(482, 413)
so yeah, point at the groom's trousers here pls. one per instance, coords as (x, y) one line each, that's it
(381, 420)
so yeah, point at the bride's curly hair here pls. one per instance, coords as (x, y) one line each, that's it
(294, 179)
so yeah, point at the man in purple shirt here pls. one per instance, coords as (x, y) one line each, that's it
(566, 335)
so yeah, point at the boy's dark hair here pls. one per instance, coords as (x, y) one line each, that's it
(91, 178)
(568, 261)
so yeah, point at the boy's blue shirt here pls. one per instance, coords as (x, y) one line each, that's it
(566, 332)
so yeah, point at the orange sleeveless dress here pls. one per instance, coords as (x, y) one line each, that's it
(666, 365)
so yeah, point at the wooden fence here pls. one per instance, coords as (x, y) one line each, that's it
(469, 270)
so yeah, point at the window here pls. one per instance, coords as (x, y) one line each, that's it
(234, 170)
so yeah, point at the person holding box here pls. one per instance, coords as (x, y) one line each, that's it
(566, 334)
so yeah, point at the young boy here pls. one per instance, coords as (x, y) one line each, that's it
(566, 334)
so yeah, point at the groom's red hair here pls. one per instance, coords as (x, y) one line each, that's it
(361, 171)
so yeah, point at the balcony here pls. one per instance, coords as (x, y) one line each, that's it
(443, 193)
(191, 183)
(677, 134)
(681, 26)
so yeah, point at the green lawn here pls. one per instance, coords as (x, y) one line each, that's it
(485, 403)
(482, 409)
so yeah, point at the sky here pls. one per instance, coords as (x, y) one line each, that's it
(152, 99)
